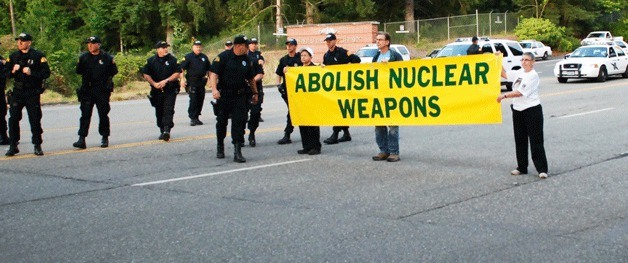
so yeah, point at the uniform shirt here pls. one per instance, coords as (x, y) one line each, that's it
(33, 59)
(255, 56)
(196, 66)
(474, 49)
(161, 68)
(96, 69)
(339, 56)
(233, 71)
(288, 61)
(3, 78)
(527, 83)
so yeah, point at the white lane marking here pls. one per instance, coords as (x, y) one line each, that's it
(584, 113)
(217, 173)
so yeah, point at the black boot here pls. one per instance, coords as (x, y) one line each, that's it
(252, 141)
(220, 151)
(237, 153)
(285, 139)
(38, 150)
(4, 139)
(333, 139)
(13, 150)
(346, 137)
(166, 134)
(104, 143)
(161, 133)
(80, 143)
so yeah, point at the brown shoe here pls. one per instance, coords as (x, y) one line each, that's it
(380, 157)
(393, 158)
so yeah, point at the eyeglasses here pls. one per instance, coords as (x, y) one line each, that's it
(525, 59)
(380, 39)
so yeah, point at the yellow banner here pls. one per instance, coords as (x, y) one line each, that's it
(443, 91)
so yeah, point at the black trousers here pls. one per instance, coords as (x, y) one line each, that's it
(310, 137)
(256, 111)
(30, 100)
(236, 105)
(289, 128)
(164, 106)
(3, 112)
(528, 125)
(344, 129)
(100, 98)
(197, 98)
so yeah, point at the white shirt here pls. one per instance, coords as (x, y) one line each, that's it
(527, 83)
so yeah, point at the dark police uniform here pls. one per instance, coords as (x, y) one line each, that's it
(256, 109)
(287, 61)
(26, 93)
(161, 68)
(97, 72)
(233, 73)
(4, 138)
(196, 68)
(337, 57)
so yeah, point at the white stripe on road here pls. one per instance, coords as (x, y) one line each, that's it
(584, 113)
(217, 173)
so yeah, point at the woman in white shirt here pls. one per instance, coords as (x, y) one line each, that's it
(527, 116)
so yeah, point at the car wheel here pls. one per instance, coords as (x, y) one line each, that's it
(545, 56)
(625, 75)
(562, 80)
(601, 77)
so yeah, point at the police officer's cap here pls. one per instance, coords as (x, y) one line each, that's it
(475, 38)
(253, 41)
(161, 44)
(240, 39)
(24, 37)
(228, 43)
(330, 36)
(93, 39)
(198, 43)
(291, 41)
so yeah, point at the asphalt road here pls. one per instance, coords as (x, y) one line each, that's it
(449, 199)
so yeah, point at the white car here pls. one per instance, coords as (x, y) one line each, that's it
(593, 62)
(622, 44)
(537, 48)
(511, 51)
(367, 53)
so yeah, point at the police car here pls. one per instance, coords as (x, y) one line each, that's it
(593, 62)
(537, 48)
(367, 53)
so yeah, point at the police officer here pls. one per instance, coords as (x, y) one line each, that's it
(162, 72)
(336, 55)
(196, 66)
(231, 77)
(228, 45)
(4, 139)
(256, 110)
(28, 68)
(474, 48)
(97, 69)
(292, 59)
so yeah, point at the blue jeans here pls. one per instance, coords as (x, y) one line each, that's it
(387, 138)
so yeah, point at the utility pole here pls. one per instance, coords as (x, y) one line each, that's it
(278, 20)
(12, 17)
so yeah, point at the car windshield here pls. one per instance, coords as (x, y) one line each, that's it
(454, 50)
(598, 35)
(621, 44)
(403, 50)
(526, 44)
(589, 52)
(366, 52)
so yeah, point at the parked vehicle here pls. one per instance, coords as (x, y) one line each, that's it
(537, 48)
(622, 44)
(433, 53)
(367, 53)
(599, 38)
(593, 62)
(510, 49)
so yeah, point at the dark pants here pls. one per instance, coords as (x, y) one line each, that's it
(529, 124)
(197, 97)
(99, 98)
(3, 112)
(164, 106)
(289, 128)
(256, 110)
(30, 100)
(236, 105)
(310, 137)
(344, 129)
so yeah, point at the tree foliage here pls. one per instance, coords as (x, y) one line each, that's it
(545, 31)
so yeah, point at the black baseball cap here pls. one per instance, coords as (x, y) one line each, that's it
(161, 44)
(24, 37)
(474, 38)
(198, 43)
(240, 39)
(330, 36)
(228, 43)
(93, 39)
(291, 41)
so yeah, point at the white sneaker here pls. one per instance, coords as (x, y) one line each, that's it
(515, 172)
(543, 175)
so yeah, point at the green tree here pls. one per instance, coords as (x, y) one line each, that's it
(547, 32)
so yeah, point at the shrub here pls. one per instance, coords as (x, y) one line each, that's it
(129, 66)
(547, 32)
